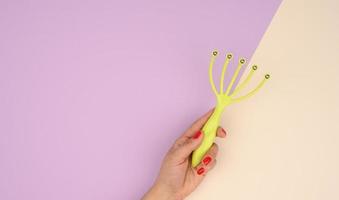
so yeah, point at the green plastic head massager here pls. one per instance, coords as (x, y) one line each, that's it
(223, 99)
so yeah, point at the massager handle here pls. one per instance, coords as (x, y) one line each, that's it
(209, 130)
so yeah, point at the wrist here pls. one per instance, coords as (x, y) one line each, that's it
(158, 192)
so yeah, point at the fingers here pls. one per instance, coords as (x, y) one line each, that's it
(184, 146)
(197, 125)
(192, 138)
(208, 162)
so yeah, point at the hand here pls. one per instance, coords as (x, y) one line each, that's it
(177, 178)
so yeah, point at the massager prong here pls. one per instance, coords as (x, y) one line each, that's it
(224, 69)
(267, 76)
(241, 62)
(246, 81)
(214, 54)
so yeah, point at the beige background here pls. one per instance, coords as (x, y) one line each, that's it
(284, 142)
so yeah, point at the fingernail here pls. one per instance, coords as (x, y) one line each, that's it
(223, 131)
(207, 160)
(196, 135)
(200, 171)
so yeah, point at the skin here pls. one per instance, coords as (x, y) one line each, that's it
(177, 178)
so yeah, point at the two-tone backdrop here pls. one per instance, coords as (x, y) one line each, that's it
(93, 93)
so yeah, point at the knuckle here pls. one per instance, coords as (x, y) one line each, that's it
(178, 143)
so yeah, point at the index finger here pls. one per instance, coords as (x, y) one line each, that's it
(198, 124)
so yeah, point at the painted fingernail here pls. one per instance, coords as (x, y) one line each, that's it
(223, 131)
(196, 135)
(207, 160)
(200, 171)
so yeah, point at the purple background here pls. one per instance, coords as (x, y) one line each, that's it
(94, 93)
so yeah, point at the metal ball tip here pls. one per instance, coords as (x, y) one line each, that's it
(254, 67)
(229, 56)
(267, 76)
(215, 53)
(242, 61)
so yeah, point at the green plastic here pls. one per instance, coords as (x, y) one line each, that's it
(223, 99)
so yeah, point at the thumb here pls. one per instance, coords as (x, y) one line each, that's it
(186, 145)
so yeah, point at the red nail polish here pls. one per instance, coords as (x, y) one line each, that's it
(223, 130)
(207, 160)
(196, 135)
(200, 171)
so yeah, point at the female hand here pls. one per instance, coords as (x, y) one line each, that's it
(177, 178)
